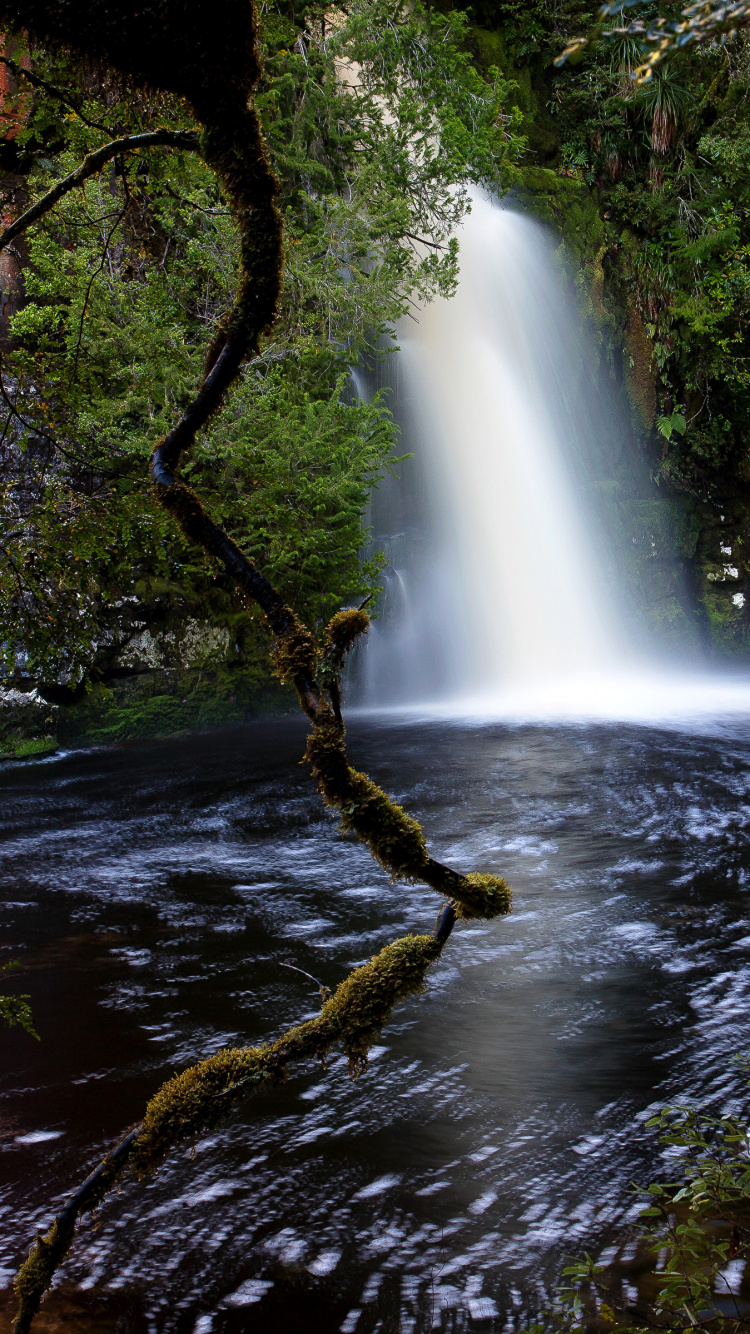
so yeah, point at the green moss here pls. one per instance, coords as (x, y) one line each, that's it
(25, 748)
(295, 654)
(363, 1003)
(353, 1018)
(170, 703)
(566, 203)
(483, 896)
(639, 376)
(201, 1096)
(36, 1273)
(342, 631)
(39, 1267)
(394, 838)
(728, 627)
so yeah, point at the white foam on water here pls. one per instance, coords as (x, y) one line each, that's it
(651, 698)
(38, 1136)
(502, 609)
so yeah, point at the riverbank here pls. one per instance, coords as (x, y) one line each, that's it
(153, 894)
(156, 704)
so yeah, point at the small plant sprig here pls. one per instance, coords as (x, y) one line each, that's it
(15, 1011)
(692, 1229)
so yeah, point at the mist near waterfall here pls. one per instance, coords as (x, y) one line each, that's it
(507, 589)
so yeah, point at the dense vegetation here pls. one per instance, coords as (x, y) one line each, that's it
(207, 66)
(119, 288)
(374, 121)
(113, 295)
(648, 183)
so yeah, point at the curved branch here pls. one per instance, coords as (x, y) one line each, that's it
(92, 163)
(393, 837)
(216, 67)
(204, 1094)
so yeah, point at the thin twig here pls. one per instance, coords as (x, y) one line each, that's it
(37, 82)
(320, 985)
(92, 280)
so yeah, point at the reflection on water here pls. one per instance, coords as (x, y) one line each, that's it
(153, 892)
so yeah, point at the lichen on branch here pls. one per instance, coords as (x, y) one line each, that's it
(208, 55)
(205, 1093)
(353, 1018)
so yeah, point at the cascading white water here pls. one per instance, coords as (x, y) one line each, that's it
(502, 596)
(506, 583)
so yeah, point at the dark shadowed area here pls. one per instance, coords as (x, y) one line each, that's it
(153, 893)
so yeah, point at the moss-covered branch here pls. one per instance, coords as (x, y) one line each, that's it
(203, 1095)
(208, 55)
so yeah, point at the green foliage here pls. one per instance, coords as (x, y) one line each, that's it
(656, 228)
(674, 424)
(659, 35)
(15, 1011)
(375, 121)
(692, 1226)
(288, 477)
(170, 703)
(668, 161)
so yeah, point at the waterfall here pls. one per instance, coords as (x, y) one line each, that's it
(503, 591)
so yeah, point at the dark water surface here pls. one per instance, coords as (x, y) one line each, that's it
(153, 893)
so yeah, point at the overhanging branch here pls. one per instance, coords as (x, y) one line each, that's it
(93, 163)
(215, 65)
(57, 93)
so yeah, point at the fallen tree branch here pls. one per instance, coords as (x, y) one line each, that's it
(203, 1095)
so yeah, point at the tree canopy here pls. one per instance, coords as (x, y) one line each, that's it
(175, 293)
(375, 120)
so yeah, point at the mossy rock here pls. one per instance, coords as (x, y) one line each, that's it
(26, 725)
(28, 748)
(166, 704)
(567, 204)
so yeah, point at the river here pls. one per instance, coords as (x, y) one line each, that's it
(153, 893)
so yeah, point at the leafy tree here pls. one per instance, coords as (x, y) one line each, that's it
(126, 277)
(393, 69)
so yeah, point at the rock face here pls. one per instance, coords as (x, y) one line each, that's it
(28, 725)
(186, 678)
(194, 644)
